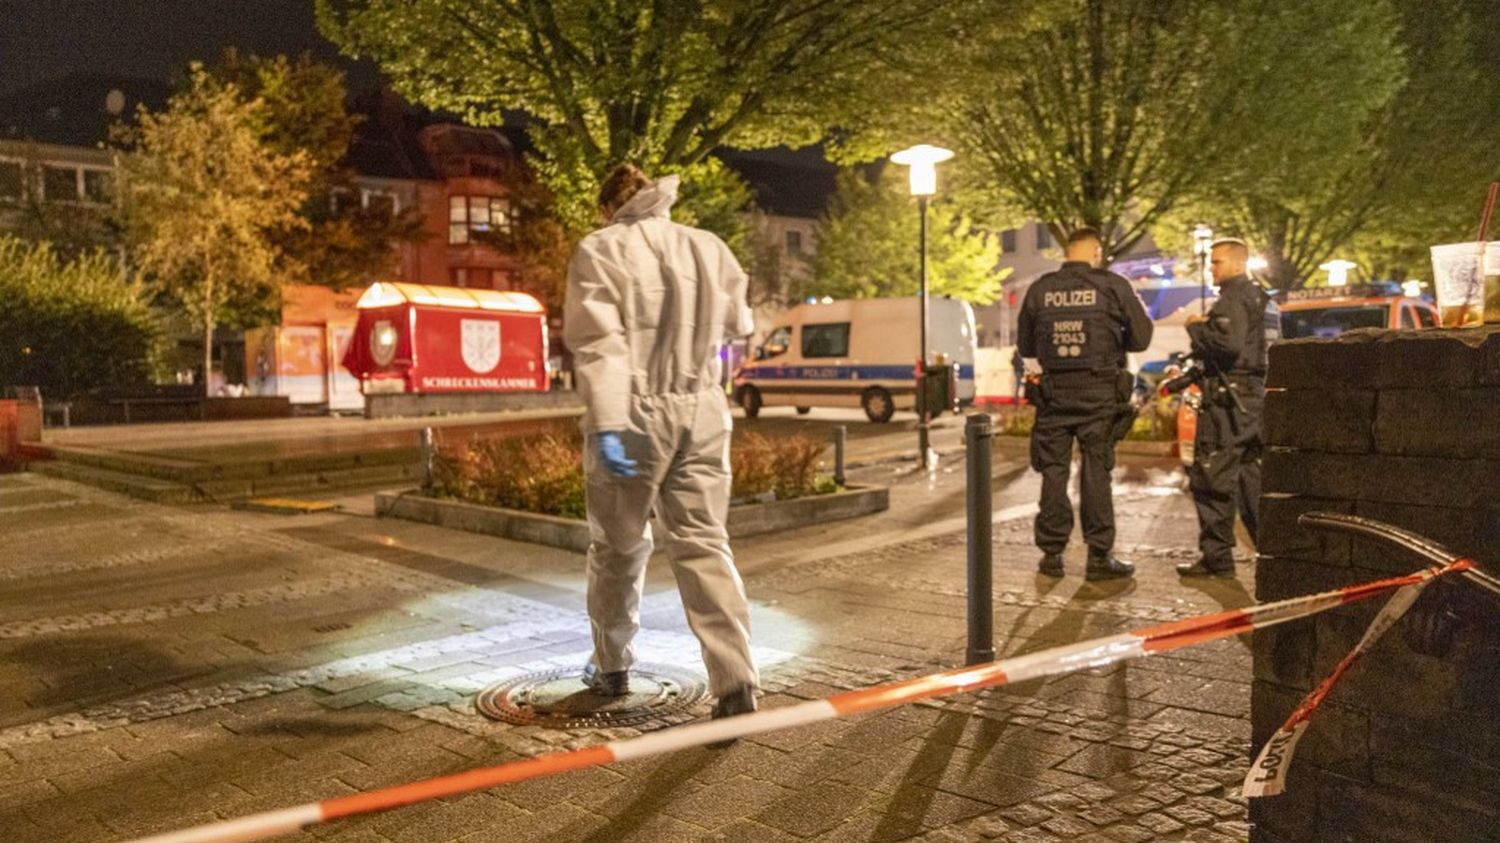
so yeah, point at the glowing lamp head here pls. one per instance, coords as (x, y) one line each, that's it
(1203, 237)
(1338, 272)
(922, 160)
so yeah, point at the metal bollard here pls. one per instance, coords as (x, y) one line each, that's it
(428, 452)
(839, 434)
(977, 433)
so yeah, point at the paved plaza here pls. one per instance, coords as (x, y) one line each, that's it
(167, 666)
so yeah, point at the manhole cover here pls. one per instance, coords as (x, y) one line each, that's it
(558, 699)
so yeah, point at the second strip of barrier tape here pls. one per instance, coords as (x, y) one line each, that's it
(1098, 652)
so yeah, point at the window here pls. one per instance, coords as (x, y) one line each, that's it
(831, 340)
(1008, 241)
(1043, 237)
(1408, 319)
(96, 186)
(470, 214)
(59, 184)
(343, 201)
(794, 242)
(11, 183)
(776, 344)
(1426, 317)
(380, 202)
(1331, 321)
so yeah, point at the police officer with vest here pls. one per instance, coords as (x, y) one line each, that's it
(1230, 341)
(1079, 322)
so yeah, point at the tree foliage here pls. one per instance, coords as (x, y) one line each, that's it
(72, 323)
(202, 195)
(868, 246)
(1112, 113)
(337, 241)
(660, 83)
(1409, 175)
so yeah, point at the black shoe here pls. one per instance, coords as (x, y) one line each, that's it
(739, 701)
(1203, 568)
(615, 683)
(1051, 565)
(1102, 566)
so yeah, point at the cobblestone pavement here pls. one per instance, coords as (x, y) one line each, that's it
(161, 667)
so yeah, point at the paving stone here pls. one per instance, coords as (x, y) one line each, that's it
(989, 827)
(814, 810)
(1068, 828)
(1163, 793)
(1160, 823)
(1128, 834)
(1030, 835)
(1028, 814)
(1101, 815)
(1135, 805)
(720, 804)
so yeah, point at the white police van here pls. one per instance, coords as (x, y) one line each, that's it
(856, 353)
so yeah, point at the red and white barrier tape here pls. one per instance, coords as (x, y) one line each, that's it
(1267, 776)
(1057, 660)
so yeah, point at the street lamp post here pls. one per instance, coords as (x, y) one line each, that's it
(922, 160)
(1203, 238)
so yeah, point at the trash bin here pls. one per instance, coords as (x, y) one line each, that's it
(940, 388)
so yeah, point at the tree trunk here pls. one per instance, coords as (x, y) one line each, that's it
(208, 354)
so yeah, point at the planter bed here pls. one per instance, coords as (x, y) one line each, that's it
(573, 534)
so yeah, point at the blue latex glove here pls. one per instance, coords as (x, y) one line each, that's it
(612, 454)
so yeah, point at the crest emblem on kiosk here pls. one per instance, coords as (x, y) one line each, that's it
(480, 341)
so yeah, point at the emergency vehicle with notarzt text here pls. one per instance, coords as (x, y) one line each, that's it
(420, 338)
(856, 353)
(1329, 311)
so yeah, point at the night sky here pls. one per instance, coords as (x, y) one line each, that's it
(47, 39)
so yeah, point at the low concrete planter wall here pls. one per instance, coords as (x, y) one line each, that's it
(566, 533)
(572, 534)
(405, 406)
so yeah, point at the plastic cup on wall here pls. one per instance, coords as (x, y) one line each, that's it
(1458, 282)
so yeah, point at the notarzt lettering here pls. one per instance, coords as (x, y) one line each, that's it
(1070, 298)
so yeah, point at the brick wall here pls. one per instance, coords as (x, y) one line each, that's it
(1403, 427)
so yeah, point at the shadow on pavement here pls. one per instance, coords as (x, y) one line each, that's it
(665, 779)
(80, 671)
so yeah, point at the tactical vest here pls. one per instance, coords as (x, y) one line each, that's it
(1075, 328)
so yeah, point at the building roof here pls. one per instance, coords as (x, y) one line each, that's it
(390, 294)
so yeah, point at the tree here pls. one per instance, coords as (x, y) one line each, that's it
(661, 83)
(868, 246)
(337, 242)
(72, 323)
(1114, 112)
(202, 194)
(1412, 174)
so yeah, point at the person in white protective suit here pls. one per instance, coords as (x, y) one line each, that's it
(650, 303)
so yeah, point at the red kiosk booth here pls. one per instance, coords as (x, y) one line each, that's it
(419, 338)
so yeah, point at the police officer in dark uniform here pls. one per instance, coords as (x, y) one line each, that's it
(1079, 322)
(1231, 342)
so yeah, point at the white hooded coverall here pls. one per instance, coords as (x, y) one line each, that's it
(650, 304)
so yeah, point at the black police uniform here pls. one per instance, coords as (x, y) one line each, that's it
(1079, 322)
(1232, 344)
